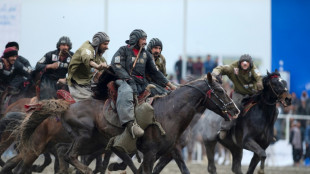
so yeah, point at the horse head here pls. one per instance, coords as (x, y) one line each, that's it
(217, 98)
(278, 87)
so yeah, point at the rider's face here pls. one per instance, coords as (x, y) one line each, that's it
(12, 59)
(245, 65)
(156, 50)
(103, 47)
(64, 47)
(142, 42)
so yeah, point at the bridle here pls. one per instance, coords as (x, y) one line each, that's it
(279, 96)
(208, 95)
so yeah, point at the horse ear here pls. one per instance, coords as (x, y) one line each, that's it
(209, 76)
(276, 71)
(268, 73)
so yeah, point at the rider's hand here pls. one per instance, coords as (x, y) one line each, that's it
(63, 81)
(171, 86)
(54, 65)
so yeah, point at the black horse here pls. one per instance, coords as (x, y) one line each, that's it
(254, 127)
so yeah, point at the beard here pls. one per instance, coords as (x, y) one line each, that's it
(64, 52)
(156, 54)
(101, 51)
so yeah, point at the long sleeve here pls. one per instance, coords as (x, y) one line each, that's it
(156, 75)
(45, 60)
(118, 64)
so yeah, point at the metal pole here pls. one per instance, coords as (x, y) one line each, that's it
(106, 17)
(184, 57)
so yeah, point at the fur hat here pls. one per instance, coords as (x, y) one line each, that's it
(9, 52)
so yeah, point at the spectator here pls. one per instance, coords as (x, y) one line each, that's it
(307, 142)
(209, 64)
(296, 141)
(178, 69)
(197, 67)
(295, 103)
(190, 66)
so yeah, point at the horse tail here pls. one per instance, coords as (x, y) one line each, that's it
(47, 109)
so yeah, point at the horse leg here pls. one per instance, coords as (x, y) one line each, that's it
(10, 164)
(72, 155)
(4, 145)
(236, 161)
(254, 161)
(251, 145)
(126, 159)
(87, 159)
(26, 163)
(177, 156)
(99, 162)
(149, 159)
(210, 148)
(106, 161)
(118, 166)
(47, 161)
(63, 166)
(163, 161)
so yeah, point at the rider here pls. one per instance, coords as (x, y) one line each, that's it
(246, 79)
(131, 63)
(54, 65)
(155, 47)
(81, 69)
(19, 81)
(7, 72)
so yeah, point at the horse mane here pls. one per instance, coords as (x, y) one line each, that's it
(48, 108)
(258, 96)
(100, 92)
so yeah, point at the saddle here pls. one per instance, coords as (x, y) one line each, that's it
(109, 107)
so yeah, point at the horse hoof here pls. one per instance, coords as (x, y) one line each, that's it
(260, 171)
(116, 167)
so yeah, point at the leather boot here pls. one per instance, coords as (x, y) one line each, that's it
(134, 129)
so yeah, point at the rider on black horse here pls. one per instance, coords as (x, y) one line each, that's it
(54, 66)
(20, 82)
(246, 79)
(130, 64)
(8, 71)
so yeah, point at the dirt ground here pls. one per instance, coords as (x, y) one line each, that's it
(202, 169)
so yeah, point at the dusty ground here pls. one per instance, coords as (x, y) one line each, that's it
(202, 169)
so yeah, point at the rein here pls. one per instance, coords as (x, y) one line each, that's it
(208, 95)
(274, 92)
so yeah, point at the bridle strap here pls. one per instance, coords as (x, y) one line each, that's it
(208, 95)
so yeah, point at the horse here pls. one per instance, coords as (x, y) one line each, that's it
(254, 127)
(89, 135)
(14, 115)
(176, 116)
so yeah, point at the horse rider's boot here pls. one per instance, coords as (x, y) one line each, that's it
(134, 129)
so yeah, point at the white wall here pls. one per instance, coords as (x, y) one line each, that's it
(221, 27)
